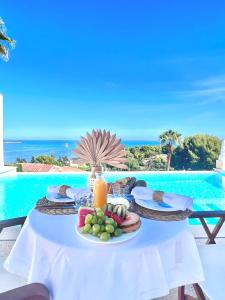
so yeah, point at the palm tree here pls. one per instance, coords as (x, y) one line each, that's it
(170, 138)
(5, 42)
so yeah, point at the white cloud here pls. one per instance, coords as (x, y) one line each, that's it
(207, 91)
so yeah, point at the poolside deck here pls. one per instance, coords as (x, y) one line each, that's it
(10, 281)
(8, 170)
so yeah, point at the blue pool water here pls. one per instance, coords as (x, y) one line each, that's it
(19, 193)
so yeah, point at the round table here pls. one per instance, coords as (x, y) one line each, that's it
(48, 250)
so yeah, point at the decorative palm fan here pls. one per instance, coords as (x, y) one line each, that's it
(101, 147)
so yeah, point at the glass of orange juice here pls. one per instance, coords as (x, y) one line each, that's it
(100, 192)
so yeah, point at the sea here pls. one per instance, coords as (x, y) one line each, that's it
(28, 148)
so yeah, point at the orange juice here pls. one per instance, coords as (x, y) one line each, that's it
(100, 193)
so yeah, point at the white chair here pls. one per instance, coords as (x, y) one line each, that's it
(213, 262)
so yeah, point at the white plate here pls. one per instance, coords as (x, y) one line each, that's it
(115, 240)
(118, 200)
(151, 204)
(55, 198)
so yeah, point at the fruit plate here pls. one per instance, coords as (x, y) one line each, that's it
(115, 240)
(151, 204)
(57, 198)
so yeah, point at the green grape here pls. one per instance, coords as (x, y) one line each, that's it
(90, 231)
(110, 221)
(86, 228)
(82, 230)
(100, 221)
(102, 228)
(109, 228)
(118, 232)
(105, 236)
(96, 228)
(88, 219)
(94, 220)
(100, 214)
(115, 225)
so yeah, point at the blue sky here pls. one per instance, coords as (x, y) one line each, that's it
(135, 67)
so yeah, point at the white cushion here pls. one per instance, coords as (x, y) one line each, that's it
(213, 261)
(9, 281)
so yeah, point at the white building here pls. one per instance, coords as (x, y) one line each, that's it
(220, 163)
(1, 133)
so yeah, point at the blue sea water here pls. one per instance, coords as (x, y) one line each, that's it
(27, 149)
(19, 193)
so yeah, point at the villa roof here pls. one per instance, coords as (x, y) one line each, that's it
(37, 167)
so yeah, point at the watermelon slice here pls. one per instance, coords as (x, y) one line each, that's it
(117, 219)
(108, 213)
(83, 211)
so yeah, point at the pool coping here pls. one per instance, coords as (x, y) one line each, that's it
(111, 172)
(6, 170)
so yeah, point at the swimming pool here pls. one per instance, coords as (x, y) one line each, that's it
(19, 192)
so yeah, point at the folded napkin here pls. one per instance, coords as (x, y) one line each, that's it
(174, 200)
(67, 191)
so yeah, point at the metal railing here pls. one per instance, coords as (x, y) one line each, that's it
(201, 215)
(12, 222)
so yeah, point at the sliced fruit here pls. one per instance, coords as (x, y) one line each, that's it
(117, 219)
(110, 207)
(82, 213)
(120, 210)
(108, 213)
(131, 219)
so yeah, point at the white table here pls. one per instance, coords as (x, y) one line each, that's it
(161, 257)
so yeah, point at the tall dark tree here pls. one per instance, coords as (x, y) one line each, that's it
(200, 152)
(5, 41)
(170, 139)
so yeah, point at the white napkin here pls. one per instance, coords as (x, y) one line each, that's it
(53, 189)
(78, 193)
(71, 192)
(174, 200)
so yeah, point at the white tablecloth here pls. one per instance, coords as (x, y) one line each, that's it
(48, 250)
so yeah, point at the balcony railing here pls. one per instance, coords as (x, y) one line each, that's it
(12, 222)
(201, 215)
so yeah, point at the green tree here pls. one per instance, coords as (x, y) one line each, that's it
(157, 162)
(20, 160)
(200, 152)
(45, 159)
(5, 41)
(133, 164)
(64, 161)
(170, 139)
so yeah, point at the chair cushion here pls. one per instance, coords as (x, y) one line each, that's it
(213, 261)
(34, 291)
(9, 281)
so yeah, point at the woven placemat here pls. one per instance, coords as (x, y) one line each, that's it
(55, 208)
